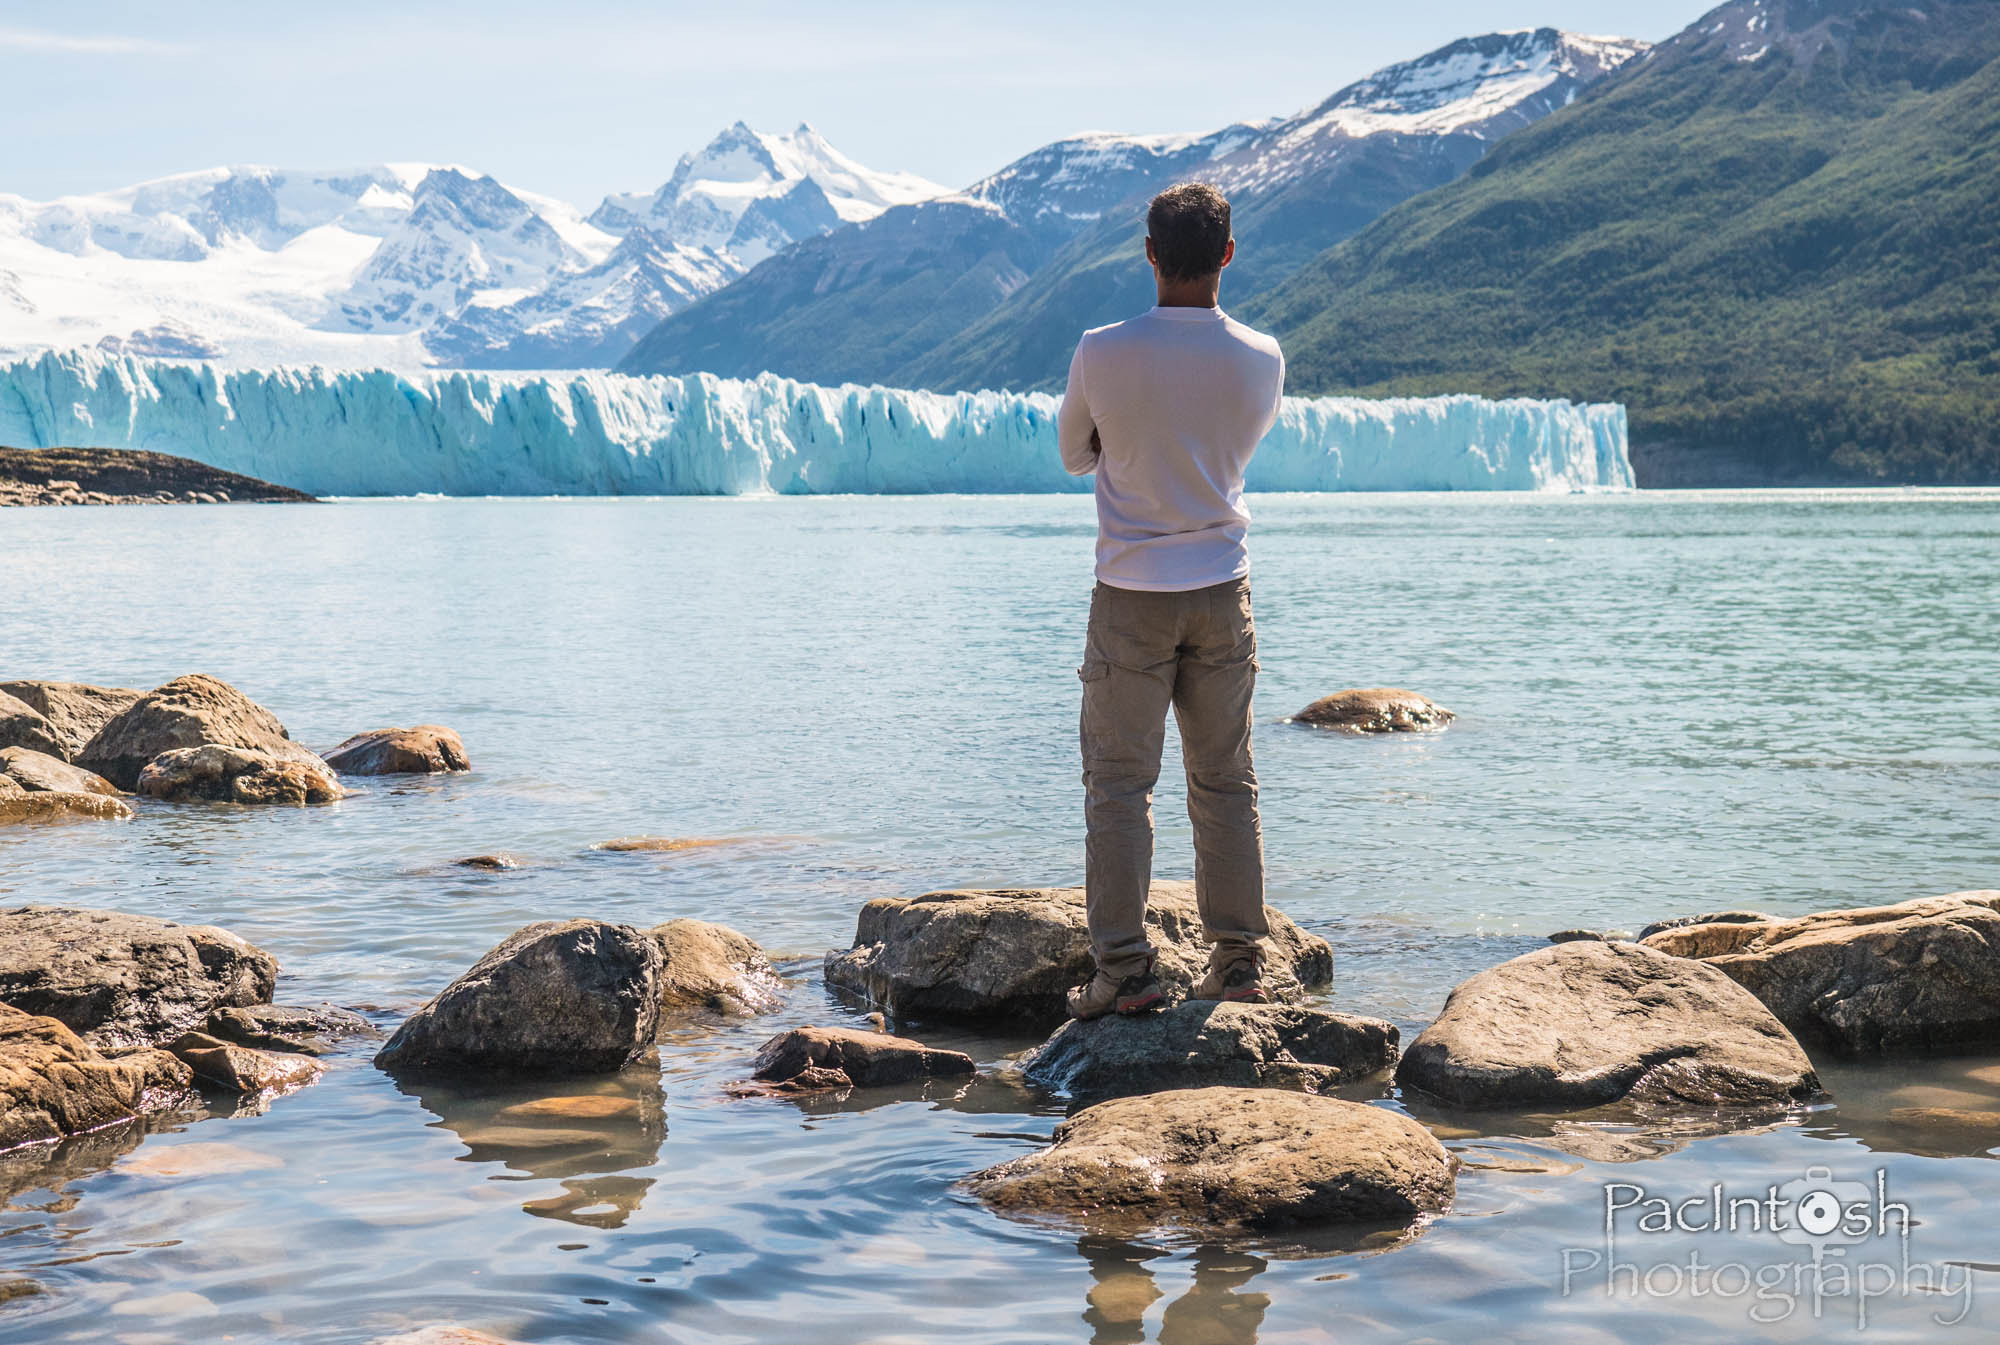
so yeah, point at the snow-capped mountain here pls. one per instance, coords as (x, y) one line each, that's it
(408, 265)
(988, 287)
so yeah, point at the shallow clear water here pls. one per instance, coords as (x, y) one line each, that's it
(1668, 703)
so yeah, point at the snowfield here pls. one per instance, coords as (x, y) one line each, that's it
(376, 432)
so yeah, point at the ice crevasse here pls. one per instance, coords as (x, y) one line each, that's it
(374, 432)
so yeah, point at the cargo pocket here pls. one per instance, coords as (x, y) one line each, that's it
(1093, 670)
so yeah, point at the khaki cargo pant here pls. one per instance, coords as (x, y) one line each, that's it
(1195, 651)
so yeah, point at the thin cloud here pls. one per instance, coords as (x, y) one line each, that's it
(38, 39)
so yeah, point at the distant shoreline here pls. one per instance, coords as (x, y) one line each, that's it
(66, 476)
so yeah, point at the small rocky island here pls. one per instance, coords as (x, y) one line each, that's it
(127, 476)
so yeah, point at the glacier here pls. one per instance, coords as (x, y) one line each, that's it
(377, 432)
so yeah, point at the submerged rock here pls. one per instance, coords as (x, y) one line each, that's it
(1582, 1024)
(427, 749)
(284, 1027)
(1198, 1043)
(216, 774)
(242, 1069)
(1711, 918)
(1228, 1158)
(43, 805)
(839, 1057)
(1012, 953)
(1376, 710)
(126, 980)
(53, 1083)
(38, 772)
(496, 863)
(186, 712)
(558, 997)
(75, 711)
(713, 968)
(21, 725)
(1913, 978)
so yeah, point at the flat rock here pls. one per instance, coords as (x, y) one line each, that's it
(53, 1083)
(285, 1027)
(18, 805)
(1583, 1024)
(242, 1069)
(1965, 1119)
(21, 725)
(840, 1057)
(1228, 1158)
(427, 749)
(213, 773)
(1914, 978)
(126, 980)
(1376, 710)
(554, 998)
(186, 712)
(1710, 918)
(712, 968)
(1199, 1043)
(39, 772)
(75, 711)
(1011, 954)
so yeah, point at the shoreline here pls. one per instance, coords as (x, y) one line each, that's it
(49, 477)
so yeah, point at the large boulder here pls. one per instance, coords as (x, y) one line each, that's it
(75, 711)
(125, 980)
(1198, 1043)
(1582, 1024)
(1228, 1158)
(186, 712)
(1375, 710)
(557, 997)
(21, 725)
(1913, 978)
(1012, 953)
(427, 749)
(712, 968)
(213, 773)
(53, 1083)
(51, 805)
(38, 772)
(841, 1057)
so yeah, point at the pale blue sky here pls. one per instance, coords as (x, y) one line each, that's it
(576, 99)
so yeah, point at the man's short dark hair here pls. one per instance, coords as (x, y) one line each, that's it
(1189, 226)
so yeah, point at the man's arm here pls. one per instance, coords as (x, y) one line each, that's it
(1076, 430)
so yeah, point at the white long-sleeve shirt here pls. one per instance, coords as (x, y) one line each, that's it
(1177, 400)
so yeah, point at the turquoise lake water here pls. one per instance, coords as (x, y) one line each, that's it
(1668, 703)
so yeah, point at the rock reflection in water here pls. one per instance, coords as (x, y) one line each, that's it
(587, 1135)
(1212, 1311)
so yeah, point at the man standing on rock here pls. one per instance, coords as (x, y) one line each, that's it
(1166, 408)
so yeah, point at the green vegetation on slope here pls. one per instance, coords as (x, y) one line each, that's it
(1786, 267)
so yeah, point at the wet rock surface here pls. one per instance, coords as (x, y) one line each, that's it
(75, 711)
(212, 773)
(242, 1069)
(1582, 1024)
(553, 998)
(126, 980)
(1711, 918)
(1010, 954)
(283, 1027)
(1227, 1158)
(1199, 1043)
(18, 805)
(186, 712)
(38, 772)
(712, 968)
(1912, 978)
(808, 1058)
(53, 1083)
(1376, 710)
(427, 749)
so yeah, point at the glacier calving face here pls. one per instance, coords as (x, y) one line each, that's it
(374, 432)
